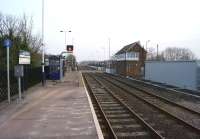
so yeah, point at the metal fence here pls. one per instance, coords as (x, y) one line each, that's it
(3, 84)
(31, 77)
(32, 74)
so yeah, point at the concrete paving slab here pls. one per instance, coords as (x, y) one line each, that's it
(58, 111)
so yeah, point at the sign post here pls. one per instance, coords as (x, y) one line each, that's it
(24, 59)
(7, 43)
(8, 74)
(19, 89)
(19, 72)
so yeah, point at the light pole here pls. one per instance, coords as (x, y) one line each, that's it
(43, 72)
(147, 48)
(125, 63)
(147, 43)
(157, 51)
(65, 35)
(104, 57)
(65, 31)
(109, 60)
(108, 48)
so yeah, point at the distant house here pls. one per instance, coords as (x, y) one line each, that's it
(129, 61)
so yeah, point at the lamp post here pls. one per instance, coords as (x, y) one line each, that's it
(65, 35)
(104, 57)
(65, 31)
(147, 43)
(108, 48)
(43, 72)
(157, 52)
(125, 63)
(109, 59)
(147, 48)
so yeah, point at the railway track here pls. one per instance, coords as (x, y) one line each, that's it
(119, 120)
(186, 114)
(167, 87)
(86, 68)
(169, 122)
(187, 100)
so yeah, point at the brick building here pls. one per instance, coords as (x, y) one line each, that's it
(129, 61)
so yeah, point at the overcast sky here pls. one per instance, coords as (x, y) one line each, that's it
(92, 22)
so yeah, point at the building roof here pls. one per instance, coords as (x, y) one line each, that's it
(128, 47)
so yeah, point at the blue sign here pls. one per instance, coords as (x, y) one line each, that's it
(7, 43)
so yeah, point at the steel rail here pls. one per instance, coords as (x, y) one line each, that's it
(157, 86)
(149, 103)
(148, 127)
(165, 88)
(114, 136)
(157, 96)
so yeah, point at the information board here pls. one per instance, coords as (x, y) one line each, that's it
(24, 57)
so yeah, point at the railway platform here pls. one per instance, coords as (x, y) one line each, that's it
(60, 110)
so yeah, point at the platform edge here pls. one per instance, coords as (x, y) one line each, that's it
(98, 128)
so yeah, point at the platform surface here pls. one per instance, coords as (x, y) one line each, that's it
(57, 111)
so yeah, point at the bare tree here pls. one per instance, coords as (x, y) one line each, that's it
(19, 30)
(174, 53)
(152, 55)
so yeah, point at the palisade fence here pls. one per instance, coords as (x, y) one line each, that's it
(32, 75)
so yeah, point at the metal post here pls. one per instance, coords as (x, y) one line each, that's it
(104, 59)
(43, 72)
(109, 46)
(8, 75)
(157, 51)
(146, 45)
(125, 65)
(72, 63)
(109, 55)
(104, 53)
(61, 69)
(65, 37)
(19, 88)
(147, 48)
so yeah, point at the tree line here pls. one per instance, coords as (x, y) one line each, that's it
(171, 54)
(20, 31)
